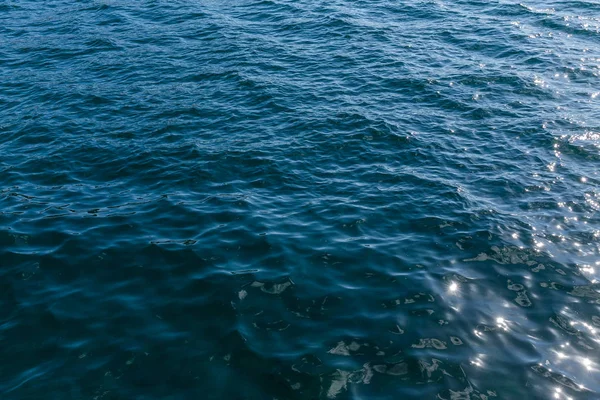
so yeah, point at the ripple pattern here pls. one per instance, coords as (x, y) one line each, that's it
(285, 199)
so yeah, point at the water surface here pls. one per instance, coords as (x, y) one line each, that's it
(299, 199)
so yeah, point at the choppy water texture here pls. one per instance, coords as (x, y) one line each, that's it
(299, 200)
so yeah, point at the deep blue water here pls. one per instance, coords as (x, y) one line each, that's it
(299, 199)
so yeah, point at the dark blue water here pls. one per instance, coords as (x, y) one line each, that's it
(299, 199)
